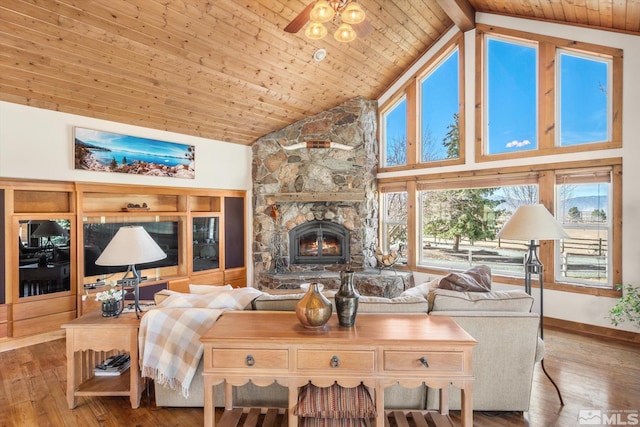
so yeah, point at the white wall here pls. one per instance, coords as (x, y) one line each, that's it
(38, 144)
(575, 307)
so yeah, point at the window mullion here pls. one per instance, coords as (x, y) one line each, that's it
(546, 95)
(412, 123)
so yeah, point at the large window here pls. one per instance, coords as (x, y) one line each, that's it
(394, 135)
(584, 83)
(460, 225)
(541, 95)
(583, 200)
(423, 123)
(538, 99)
(394, 223)
(511, 96)
(439, 97)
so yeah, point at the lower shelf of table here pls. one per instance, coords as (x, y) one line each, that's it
(119, 385)
(273, 417)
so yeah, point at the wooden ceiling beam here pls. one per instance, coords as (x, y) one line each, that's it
(461, 13)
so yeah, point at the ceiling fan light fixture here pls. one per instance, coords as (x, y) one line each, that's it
(345, 33)
(322, 12)
(315, 31)
(352, 13)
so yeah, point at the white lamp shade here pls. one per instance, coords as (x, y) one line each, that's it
(130, 246)
(48, 229)
(532, 222)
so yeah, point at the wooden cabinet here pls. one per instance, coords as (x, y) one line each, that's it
(43, 278)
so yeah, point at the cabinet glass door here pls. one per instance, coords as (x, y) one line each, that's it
(206, 237)
(44, 257)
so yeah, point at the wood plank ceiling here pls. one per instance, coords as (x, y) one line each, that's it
(226, 70)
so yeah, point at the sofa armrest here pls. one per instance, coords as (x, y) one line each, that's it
(503, 360)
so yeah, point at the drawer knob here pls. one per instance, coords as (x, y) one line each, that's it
(250, 360)
(424, 362)
(335, 362)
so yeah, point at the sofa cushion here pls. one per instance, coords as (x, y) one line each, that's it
(401, 304)
(447, 300)
(335, 401)
(421, 290)
(475, 279)
(366, 304)
(282, 302)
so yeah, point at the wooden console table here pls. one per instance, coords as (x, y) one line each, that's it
(380, 351)
(90, 339)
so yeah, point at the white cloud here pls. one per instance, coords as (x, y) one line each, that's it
(515, 143)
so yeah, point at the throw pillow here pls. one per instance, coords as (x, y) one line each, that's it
(422, 290)
(475, 279)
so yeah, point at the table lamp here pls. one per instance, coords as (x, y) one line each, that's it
(534, 222)
(131, 245)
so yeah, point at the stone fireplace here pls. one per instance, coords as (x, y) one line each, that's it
(297, 189)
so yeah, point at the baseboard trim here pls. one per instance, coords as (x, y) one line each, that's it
(599, 331)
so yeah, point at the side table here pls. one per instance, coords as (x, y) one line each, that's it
(90, 338)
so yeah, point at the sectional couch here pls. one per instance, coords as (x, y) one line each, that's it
(503, 361)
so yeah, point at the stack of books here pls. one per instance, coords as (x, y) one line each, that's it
(113, 366)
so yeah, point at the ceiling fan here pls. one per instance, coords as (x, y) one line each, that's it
(354, 22)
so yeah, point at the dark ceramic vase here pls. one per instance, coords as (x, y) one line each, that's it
(347, 300)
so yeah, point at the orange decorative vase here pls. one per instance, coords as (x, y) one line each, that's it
(314, 309)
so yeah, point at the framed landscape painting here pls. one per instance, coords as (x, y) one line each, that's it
(112, 152)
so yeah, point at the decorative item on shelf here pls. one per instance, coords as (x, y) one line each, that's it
(131, 245)
(386, 259)
(347, 299)
(133, 207)
(112, 299)
(314, 309)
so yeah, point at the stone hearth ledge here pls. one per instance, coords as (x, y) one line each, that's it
(386, 283)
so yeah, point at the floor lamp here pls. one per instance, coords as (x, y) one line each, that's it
(534, 222)
(131, 245)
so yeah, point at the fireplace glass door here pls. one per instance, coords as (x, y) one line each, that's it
(319, 242)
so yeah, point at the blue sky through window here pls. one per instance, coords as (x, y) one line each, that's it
(512, 117)
(439, 93)
(583, 99)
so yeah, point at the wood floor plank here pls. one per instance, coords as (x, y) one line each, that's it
(592, 373)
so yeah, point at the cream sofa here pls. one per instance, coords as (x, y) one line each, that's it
(503, 360)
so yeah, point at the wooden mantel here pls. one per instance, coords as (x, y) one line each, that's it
(331, 196)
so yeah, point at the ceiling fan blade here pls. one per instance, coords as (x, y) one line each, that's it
(363, 29)
(298, 22)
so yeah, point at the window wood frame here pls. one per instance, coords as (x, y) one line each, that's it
(412, 93)
(546, 190)
(547, 47)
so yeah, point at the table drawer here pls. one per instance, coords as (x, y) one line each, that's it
(352, 360)
(437, 361)
(250, 359)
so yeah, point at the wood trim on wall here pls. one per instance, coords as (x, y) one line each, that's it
(592, 330)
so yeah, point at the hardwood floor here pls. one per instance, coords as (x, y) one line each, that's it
(592, 373)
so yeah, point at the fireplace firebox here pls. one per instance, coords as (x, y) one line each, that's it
(319, 242)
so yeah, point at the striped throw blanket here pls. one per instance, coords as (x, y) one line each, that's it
(169, 338)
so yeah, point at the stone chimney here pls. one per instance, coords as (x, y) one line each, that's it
(291, 187)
